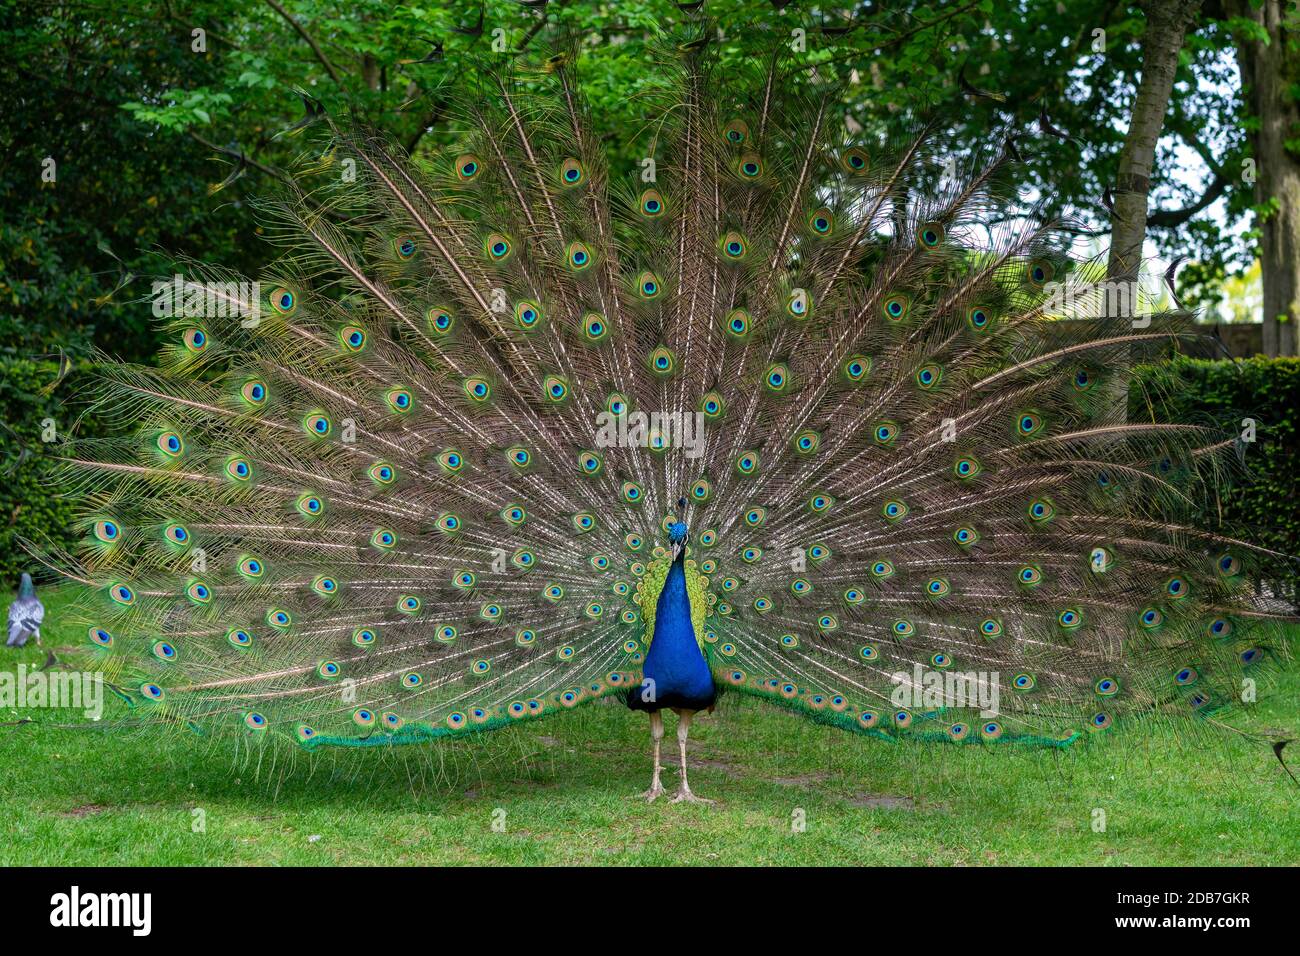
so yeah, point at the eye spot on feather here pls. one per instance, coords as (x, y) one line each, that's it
(353, 338)
(896, 307)
(930, 234)
(1028, 424)
(578, 256)
(468, 167)
(894, 510)
(253, 392)
(528, 315)
(980, 318)
(737, 324)
(594, 327)
(747, 463)
(928, 376)
(171, 444)
(750, 166)
(498, 247)
(736, 132)
(440, 320)
(662, 361)
(822, 222)
(311, 506)
(884, 433)
(1039, 272)
(806, 442)
(856, 369)
(855, 161)
(477, 389)
(195, 339)
(733, 246)
(405, 247)
(572, 172)
(1041, 511)
(318, 425)
(283, 300)
(555, 388)
(651, 204)
(777, 378)
(798, 304)
(1070, 619)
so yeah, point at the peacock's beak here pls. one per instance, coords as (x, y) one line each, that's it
(677, 549)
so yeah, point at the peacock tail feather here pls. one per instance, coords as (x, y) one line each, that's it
(424, 490)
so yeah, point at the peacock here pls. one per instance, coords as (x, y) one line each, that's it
(766, 403)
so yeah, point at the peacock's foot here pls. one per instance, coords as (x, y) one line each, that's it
(685, 796)
(654, 793)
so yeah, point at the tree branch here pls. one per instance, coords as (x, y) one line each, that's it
(302, 32)
(1168, 219)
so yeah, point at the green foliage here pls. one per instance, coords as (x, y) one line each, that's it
(1261, 506)
(142, 115)
(30, 504)
(90, 195)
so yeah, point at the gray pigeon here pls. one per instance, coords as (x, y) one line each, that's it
(25, 615)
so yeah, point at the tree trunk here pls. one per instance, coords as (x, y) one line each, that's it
(1167, 23)
(1268, 72)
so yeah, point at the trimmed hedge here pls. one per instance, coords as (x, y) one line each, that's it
(30, 504)
(1262, 507)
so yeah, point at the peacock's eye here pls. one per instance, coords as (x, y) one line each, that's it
(468, 167)
(571, 172)
(652, 203)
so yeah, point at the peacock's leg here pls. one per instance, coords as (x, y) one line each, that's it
(657, 734)
(683, 730)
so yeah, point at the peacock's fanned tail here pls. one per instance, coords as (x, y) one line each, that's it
(423, 490)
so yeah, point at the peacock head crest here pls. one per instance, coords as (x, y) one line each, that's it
(677, 530)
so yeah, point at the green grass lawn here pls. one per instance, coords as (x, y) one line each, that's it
(562, 790)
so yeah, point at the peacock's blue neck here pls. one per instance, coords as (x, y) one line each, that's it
(674, 661)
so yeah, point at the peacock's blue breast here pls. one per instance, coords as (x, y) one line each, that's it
(675, 671)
